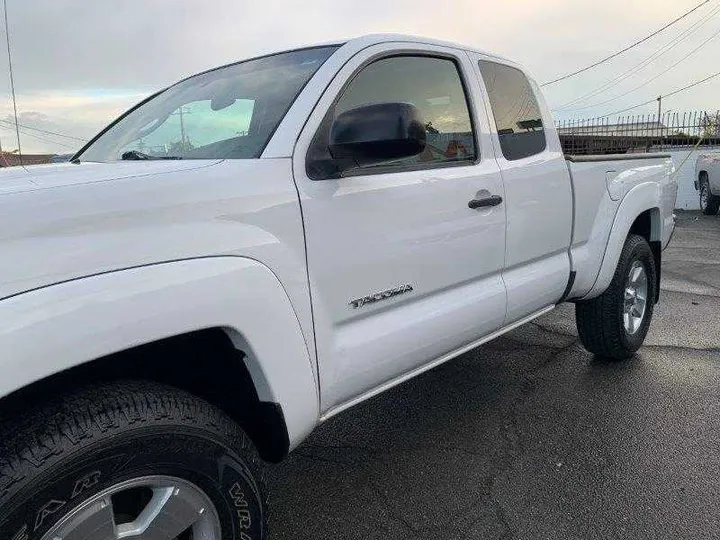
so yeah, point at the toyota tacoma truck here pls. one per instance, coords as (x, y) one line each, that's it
(261, 246)
(707, 182)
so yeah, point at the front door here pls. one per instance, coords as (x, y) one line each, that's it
(402, 270)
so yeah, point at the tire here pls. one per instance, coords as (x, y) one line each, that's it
(709, 203)
(601, 321)
(119, 448)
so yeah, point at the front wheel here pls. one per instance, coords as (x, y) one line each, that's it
(614, 324)
(131, 461)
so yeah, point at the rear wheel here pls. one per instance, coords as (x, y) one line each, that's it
(614, 324)
(136, 461)
(709, 203)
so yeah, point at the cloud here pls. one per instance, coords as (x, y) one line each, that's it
(59, 122)
(79, 63)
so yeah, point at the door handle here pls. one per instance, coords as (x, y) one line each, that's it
(492, 200)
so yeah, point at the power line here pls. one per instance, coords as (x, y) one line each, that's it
(50, 141)
(44, 139)
(647, 61)
(643, 40)
(44, 131)
(651, 79)
(696, 83)
(691, 85)
(12, 79)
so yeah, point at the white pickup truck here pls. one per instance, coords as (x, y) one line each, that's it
(707, 182)
(259, 247)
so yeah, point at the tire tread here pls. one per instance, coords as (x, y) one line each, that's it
(33, 443)
(597, 323)
(713, 204)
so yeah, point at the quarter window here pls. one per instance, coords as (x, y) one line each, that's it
(433, 85)
(516, 111)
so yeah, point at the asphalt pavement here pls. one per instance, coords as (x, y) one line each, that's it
(530, 437)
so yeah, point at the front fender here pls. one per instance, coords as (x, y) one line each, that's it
(643, 197)
(48, 330)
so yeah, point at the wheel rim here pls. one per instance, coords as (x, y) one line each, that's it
(167, 508)
(636, 290)
(703, 197)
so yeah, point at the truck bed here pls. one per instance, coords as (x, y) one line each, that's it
(599, 185)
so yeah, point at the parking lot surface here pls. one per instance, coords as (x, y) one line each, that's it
(530, 437)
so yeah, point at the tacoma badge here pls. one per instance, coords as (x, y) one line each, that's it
(376, 297)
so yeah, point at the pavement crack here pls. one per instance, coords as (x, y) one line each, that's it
(553, 331)
(399, 519)
(555, 356)
(499, 510)
(672, 278)
(683, 348)
(513, 434)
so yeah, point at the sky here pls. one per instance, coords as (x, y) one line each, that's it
(79, 63)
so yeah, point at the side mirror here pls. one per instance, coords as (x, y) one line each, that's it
(376, 133)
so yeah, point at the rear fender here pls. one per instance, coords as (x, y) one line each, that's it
(643, 197)
(48, 330)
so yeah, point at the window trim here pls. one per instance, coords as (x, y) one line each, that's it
(494, 125)
(392, 169)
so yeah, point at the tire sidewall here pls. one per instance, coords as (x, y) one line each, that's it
(712, 202)
(191, 454)
(641, 252)
(704, 189)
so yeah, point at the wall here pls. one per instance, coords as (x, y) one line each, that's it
(687, 197)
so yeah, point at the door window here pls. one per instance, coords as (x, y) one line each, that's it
(516, 111)
(433, 85)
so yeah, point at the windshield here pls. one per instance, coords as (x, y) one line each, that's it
(226, 113)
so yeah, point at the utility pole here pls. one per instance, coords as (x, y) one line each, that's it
(184, 139)
(182, 128)
(659, 100)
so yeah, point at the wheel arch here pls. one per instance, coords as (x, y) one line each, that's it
(171, 361)
(639, 213)
(222, 328)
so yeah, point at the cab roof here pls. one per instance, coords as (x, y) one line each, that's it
(377, 39)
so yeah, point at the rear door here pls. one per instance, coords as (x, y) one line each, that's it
(402, 271)
(538, 192)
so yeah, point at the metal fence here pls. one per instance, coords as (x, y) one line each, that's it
(639, 133)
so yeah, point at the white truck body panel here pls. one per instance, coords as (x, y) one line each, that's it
(61, 326)
(104, 256)
(66, 221)
(600, 185)
(709, 164)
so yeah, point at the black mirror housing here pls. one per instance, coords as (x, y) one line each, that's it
(373, 134)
